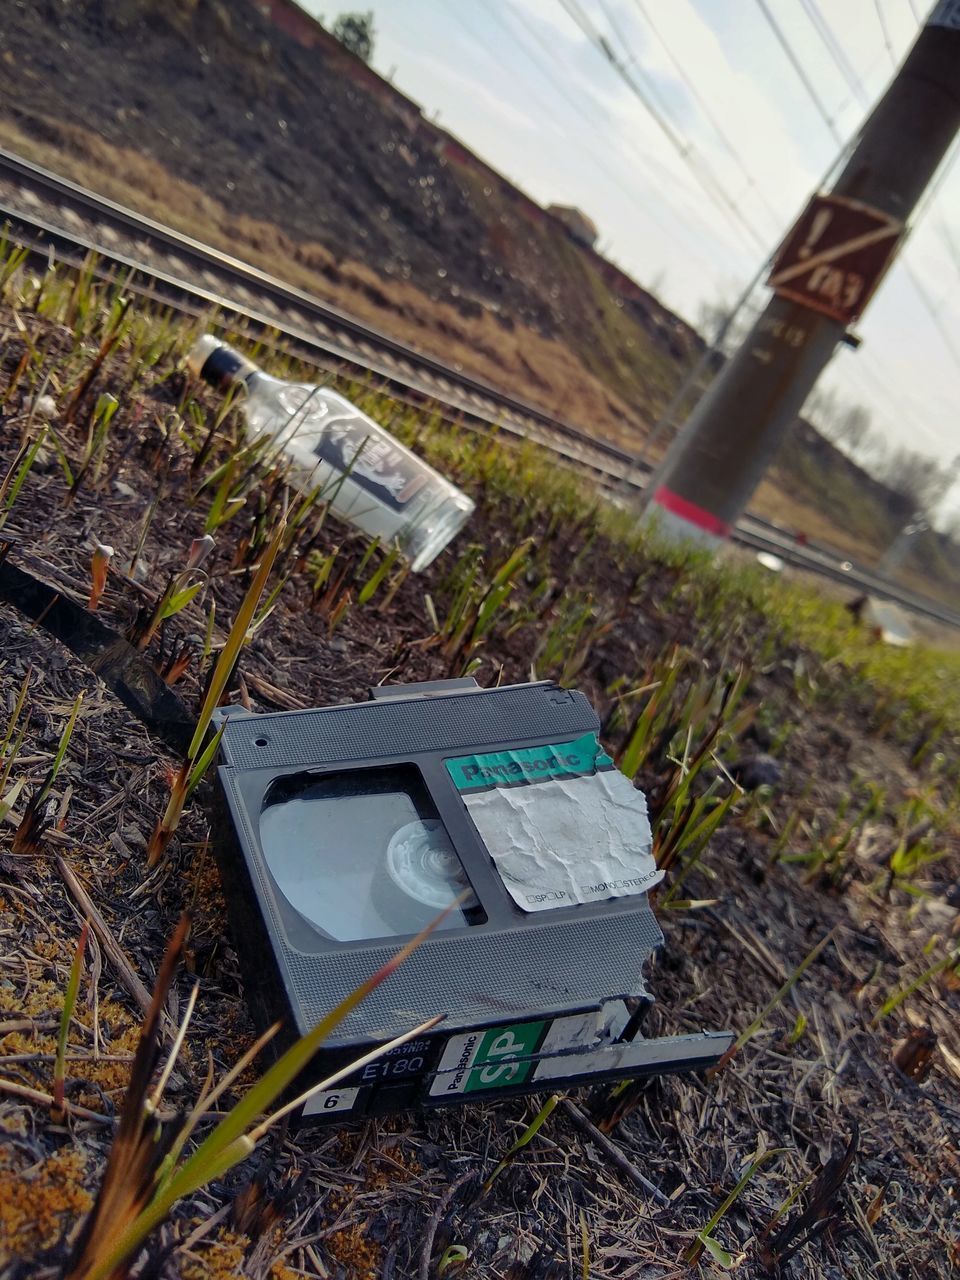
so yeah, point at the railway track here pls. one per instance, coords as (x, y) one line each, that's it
(49, 214)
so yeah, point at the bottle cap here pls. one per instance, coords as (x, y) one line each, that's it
(218, 363)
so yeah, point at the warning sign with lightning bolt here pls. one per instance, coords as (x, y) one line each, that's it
(835, 256)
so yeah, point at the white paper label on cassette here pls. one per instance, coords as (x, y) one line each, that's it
(561, 822)
(328, 1100)
(583, 1030)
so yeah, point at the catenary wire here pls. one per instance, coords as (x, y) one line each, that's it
(855, 85)
(885, 30)
(708, 112)
(798, 67)
(704, 176)
(929, 305)
(835, 50)
(577, 104)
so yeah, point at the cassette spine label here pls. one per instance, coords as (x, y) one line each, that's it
(525, 765)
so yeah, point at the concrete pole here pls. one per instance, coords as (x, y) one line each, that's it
(826, 270)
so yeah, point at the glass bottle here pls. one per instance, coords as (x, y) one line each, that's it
(371, 480)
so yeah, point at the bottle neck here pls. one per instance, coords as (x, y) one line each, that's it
(224, 367)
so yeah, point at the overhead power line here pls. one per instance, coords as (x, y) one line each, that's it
(953, 250)
(840, 60)
(546, 68)
(636, 83)
(835, 50)
(802, 76)
(708, 113)
(481, 39)
(932, 309)
(878, 7)
(633, 63)
(712, 468)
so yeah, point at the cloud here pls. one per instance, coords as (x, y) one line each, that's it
(482, 97)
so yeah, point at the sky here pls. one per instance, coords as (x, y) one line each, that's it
(692, 205)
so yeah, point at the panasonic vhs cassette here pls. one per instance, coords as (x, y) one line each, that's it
(345, 830)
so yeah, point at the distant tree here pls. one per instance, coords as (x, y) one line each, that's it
(821, 408)
(848, 426)
(873, 454)
(921, 481)
(918, 482)
(355, 32)
(720, 327)
(852, 428)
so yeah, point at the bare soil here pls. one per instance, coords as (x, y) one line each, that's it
(367, 1200)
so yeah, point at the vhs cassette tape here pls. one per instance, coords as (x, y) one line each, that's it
(344, 830)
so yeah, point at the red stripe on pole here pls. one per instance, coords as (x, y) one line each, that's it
(690, 512)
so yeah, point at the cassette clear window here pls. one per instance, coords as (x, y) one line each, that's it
(363, 854)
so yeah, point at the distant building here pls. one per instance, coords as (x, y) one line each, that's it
(582, 228)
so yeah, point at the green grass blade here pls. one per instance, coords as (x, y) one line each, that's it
(229, 1143)
(531, 1131)
(22, 472)
(258, 1099)
(893, 1002)
(769, 1007)
(704, 1238)
(12, 796)
(17, 710)
(230, 651)
(69, 1004)
(180, 599)
(369, 589)
(61, 750)
(203, 763)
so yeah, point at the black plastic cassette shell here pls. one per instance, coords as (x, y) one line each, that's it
(511, 969)
(512, 974)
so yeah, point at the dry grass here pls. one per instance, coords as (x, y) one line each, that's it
(389, 1196)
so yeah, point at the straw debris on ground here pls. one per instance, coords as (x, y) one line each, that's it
(837, 770)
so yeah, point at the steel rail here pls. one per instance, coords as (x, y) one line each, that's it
(183, 251)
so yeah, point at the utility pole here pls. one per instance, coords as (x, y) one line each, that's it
(822, 276)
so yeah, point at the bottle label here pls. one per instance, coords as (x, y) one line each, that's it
(389, 473)
(352, 444)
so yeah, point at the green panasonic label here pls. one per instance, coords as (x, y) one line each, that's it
(524, 765)
(492, 1059)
